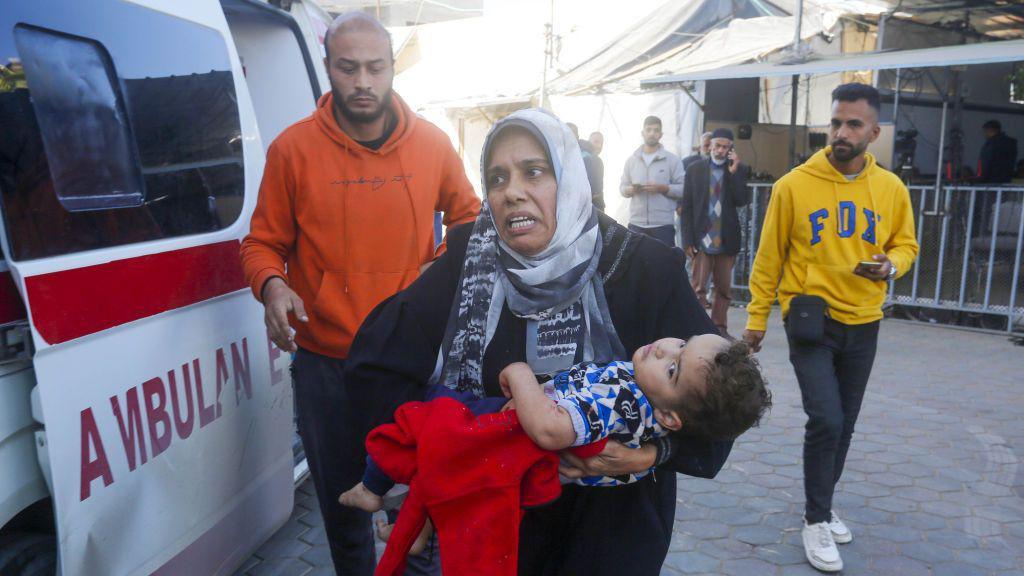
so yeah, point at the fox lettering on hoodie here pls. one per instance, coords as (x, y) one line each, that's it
(819, 225)
(846, 224)
(347, 226)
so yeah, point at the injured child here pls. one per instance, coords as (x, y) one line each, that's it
(707, 386)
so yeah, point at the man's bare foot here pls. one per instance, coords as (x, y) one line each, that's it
(360, 497)
(419, 545)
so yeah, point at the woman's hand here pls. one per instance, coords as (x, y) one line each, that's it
(614, 460)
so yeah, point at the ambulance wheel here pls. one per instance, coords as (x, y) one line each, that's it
(28, 554)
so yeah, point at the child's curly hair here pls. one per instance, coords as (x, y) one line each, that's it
(735, 396)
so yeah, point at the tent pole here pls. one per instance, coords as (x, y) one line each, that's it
(692, 97)
(942, 149)
(878, 46)
(549, 50)
(799, 21)
(794, 94)
(895, 116)
(794, 98)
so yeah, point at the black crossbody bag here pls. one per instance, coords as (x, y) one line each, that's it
(806, 318)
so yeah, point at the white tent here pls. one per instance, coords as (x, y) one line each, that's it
(605, 92)
(926, 112)
(466, 74)
(979, 53)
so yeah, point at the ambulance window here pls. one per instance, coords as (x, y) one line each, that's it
(82, 120)
(119, 125)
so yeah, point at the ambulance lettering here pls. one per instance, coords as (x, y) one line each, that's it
(169, 413)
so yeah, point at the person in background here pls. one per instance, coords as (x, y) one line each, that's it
(653, 181)
(595, 167)
(838, 228)
(344, 220)
(703, 152)
(699, 152)
(597, 141)
(715, 187)
(998, 156)
(996, 164)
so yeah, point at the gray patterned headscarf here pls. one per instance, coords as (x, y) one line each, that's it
(557, 291)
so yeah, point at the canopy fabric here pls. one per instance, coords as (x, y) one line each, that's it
(980, 53)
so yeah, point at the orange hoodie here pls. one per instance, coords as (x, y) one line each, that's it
(353, 225)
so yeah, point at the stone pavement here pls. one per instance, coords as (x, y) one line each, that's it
(934, 482)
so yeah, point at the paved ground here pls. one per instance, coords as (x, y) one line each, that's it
(934, 483)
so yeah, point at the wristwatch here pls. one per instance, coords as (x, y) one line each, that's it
(892, 272)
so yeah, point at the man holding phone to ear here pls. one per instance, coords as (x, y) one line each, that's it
(714, 188)
(838, 228)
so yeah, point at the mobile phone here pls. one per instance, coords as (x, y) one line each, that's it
(869, 264)
(730, 161)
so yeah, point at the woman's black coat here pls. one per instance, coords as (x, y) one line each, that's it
(616, 530)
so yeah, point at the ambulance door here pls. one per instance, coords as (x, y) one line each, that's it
(281, 74)
(129, 164)
(279, 69)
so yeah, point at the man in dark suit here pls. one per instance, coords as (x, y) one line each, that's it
(713, 189)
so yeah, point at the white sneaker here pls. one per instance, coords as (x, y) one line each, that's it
(820, 548)
(840, 533)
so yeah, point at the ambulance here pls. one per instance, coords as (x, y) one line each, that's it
(146, 422)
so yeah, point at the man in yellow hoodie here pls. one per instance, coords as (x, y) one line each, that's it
(344, 220)
(838, 227)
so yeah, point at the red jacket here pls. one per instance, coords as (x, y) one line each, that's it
(347, 226)
(471, 475)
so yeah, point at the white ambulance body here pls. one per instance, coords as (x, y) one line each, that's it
(145, 419)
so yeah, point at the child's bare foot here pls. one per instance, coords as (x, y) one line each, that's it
(419, 545)
(360, 497)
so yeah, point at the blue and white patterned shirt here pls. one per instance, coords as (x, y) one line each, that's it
(605, 402)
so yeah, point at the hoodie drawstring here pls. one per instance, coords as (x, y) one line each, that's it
(874, 210)
(412, 208)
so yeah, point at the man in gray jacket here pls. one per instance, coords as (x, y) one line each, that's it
(653, 181)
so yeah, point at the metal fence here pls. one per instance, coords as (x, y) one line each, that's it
(968, 270)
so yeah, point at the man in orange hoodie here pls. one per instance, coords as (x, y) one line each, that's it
(344, 220)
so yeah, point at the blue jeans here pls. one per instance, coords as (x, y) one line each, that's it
(833, 375)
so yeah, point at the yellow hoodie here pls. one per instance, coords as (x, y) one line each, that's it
(818, 226)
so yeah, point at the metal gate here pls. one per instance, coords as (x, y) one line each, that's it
(969, 265)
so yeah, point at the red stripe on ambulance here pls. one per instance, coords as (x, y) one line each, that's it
(73, 303)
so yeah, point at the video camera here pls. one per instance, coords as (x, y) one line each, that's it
(904, 149)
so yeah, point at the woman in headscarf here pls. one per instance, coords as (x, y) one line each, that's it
(543, 278)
